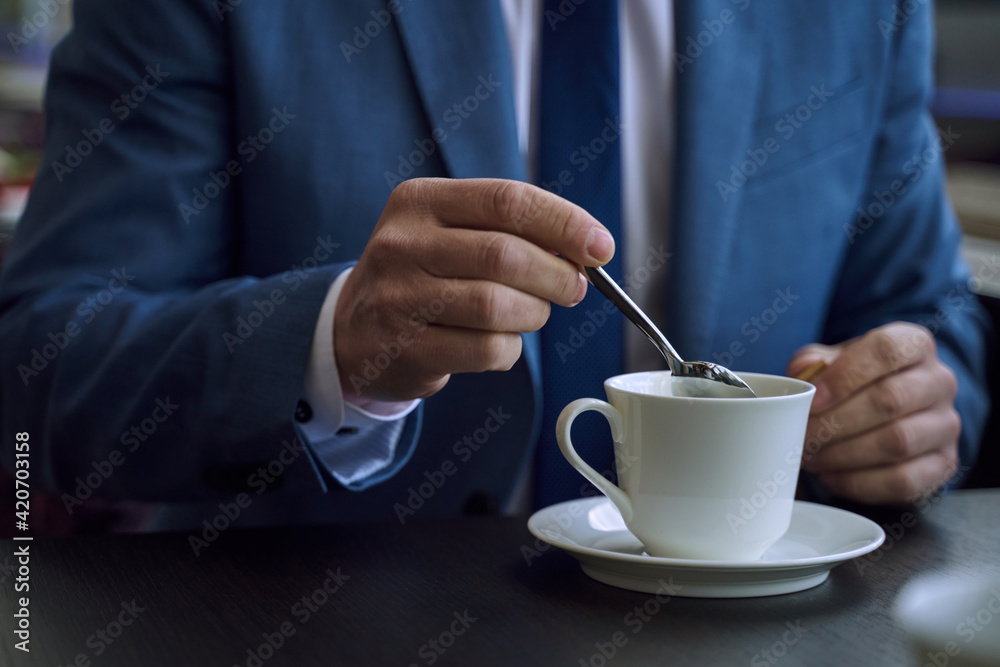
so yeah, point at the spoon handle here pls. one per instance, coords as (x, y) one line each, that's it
(616, 295)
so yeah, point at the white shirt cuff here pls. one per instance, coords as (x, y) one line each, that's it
(323, 391)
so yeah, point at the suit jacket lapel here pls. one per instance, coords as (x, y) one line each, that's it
(460, 58)
(717, 87)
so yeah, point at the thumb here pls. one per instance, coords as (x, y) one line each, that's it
(810, 360)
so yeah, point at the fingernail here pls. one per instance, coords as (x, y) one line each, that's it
(821, 399)
(600, 245)
(582, 292)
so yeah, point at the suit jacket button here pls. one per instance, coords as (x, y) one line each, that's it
(303, 412)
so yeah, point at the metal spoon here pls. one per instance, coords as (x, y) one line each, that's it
(698, 370)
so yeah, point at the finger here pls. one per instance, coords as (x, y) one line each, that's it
(901, 439)
(887, 399)
(503, 258)
(878, 353)
(809, 356)
(424, 361)
(522, 209)
(903, 482)
(488, 306)
(449, 350)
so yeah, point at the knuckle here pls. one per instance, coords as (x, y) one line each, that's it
(511, 352)
(487, 305)
(908, 344)
(891, 347)
(429, 385)
(498, 254)
(898, 440)
(538, 317)
(415, 196)
(852, 376)
(569, 284)
(947, 380)
(568, 226)
(407, 194)
(391, 241)
(891, 399)
(496, 352)
(513, 202)
(952, 423)
(406, 189)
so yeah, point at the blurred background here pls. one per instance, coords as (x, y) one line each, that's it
(29, 29)
(967, 103)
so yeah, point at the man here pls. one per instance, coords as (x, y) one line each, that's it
(177, 308)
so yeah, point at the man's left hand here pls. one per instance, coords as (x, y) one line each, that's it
(883, 426)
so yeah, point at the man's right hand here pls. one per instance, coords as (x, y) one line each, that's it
(453, 272)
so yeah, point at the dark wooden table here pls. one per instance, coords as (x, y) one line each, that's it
(456, 592)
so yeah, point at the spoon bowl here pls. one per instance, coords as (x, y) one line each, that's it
(692, 378)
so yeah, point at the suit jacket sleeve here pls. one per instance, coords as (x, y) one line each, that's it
(904, 261)
(127, 323)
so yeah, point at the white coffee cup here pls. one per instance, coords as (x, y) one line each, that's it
(701, 478)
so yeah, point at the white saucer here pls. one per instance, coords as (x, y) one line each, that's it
(819, 538)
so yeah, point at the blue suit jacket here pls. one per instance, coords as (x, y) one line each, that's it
(223, 156)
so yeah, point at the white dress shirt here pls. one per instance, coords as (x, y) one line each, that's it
(646, 31)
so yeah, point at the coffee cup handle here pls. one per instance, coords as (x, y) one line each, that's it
(563, 426)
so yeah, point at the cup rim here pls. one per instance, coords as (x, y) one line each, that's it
(807, 388)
